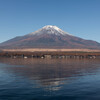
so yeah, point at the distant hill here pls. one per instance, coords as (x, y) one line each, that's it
(50, 37)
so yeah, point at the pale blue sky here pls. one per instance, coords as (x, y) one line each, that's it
(78, 17)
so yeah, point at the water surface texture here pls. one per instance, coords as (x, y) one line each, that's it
(49, 79)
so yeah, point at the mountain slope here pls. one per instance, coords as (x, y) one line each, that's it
(50, 37)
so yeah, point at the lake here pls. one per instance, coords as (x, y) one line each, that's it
(49, 79)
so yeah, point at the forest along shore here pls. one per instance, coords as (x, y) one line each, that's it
(50, 53)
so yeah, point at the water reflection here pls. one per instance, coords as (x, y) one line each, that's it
(50, 74)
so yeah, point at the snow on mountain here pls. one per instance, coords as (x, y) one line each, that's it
(49, 29)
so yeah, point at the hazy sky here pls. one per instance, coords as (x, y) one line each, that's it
(78, 17)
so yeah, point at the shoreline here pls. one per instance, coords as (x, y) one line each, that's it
(50, 53)
(49, 50)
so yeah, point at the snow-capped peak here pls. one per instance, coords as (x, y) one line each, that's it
(50, 29)
(50, 26)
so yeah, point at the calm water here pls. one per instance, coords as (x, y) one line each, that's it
(49, 79)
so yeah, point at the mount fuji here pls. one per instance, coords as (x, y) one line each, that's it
(49, 37)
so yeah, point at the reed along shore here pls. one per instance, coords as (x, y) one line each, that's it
(50, 53)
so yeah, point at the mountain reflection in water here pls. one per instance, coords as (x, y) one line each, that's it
(51, 74)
